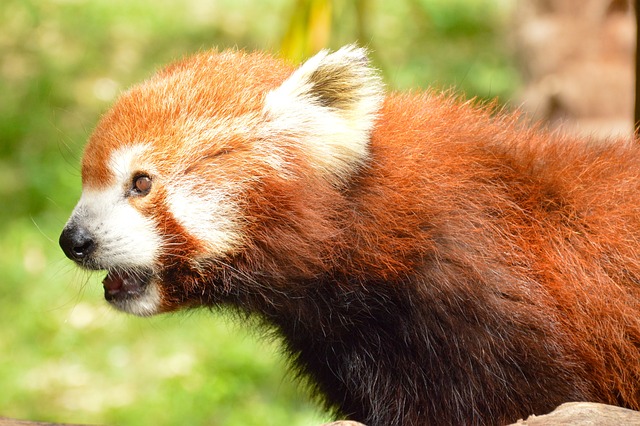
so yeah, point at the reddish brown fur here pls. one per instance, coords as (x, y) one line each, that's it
(542, 230)
(474, 272)
(144, 114)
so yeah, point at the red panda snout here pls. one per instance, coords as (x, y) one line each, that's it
(77, 244)
(124, 287)
(108, 231)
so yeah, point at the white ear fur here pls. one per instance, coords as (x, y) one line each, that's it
(330, 105)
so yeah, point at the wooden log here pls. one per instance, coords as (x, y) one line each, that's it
(584, 414)
(572, 413)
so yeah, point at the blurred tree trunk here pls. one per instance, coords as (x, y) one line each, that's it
(310, 25)
(362, 13)
(309, 29)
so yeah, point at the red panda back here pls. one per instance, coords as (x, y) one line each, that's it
(557, 210)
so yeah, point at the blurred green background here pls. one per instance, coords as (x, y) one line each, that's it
(64, 355)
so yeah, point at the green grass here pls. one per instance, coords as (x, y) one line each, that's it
(64, 355)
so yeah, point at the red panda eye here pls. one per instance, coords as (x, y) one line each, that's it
(142, 184)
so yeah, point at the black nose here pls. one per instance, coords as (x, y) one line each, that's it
(76, 242)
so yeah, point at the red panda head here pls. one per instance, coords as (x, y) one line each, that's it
(176, 175)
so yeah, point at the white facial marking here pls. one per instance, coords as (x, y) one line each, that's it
(205, 213)
(123, 162)
(125, 238)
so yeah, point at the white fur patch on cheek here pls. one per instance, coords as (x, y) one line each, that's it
(123, 236)
(207, 215)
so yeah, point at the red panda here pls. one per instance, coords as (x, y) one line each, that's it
(426, 260)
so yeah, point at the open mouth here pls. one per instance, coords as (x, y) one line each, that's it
(133, 291)
(120, 285)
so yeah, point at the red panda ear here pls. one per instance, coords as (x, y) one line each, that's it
(329, 106)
